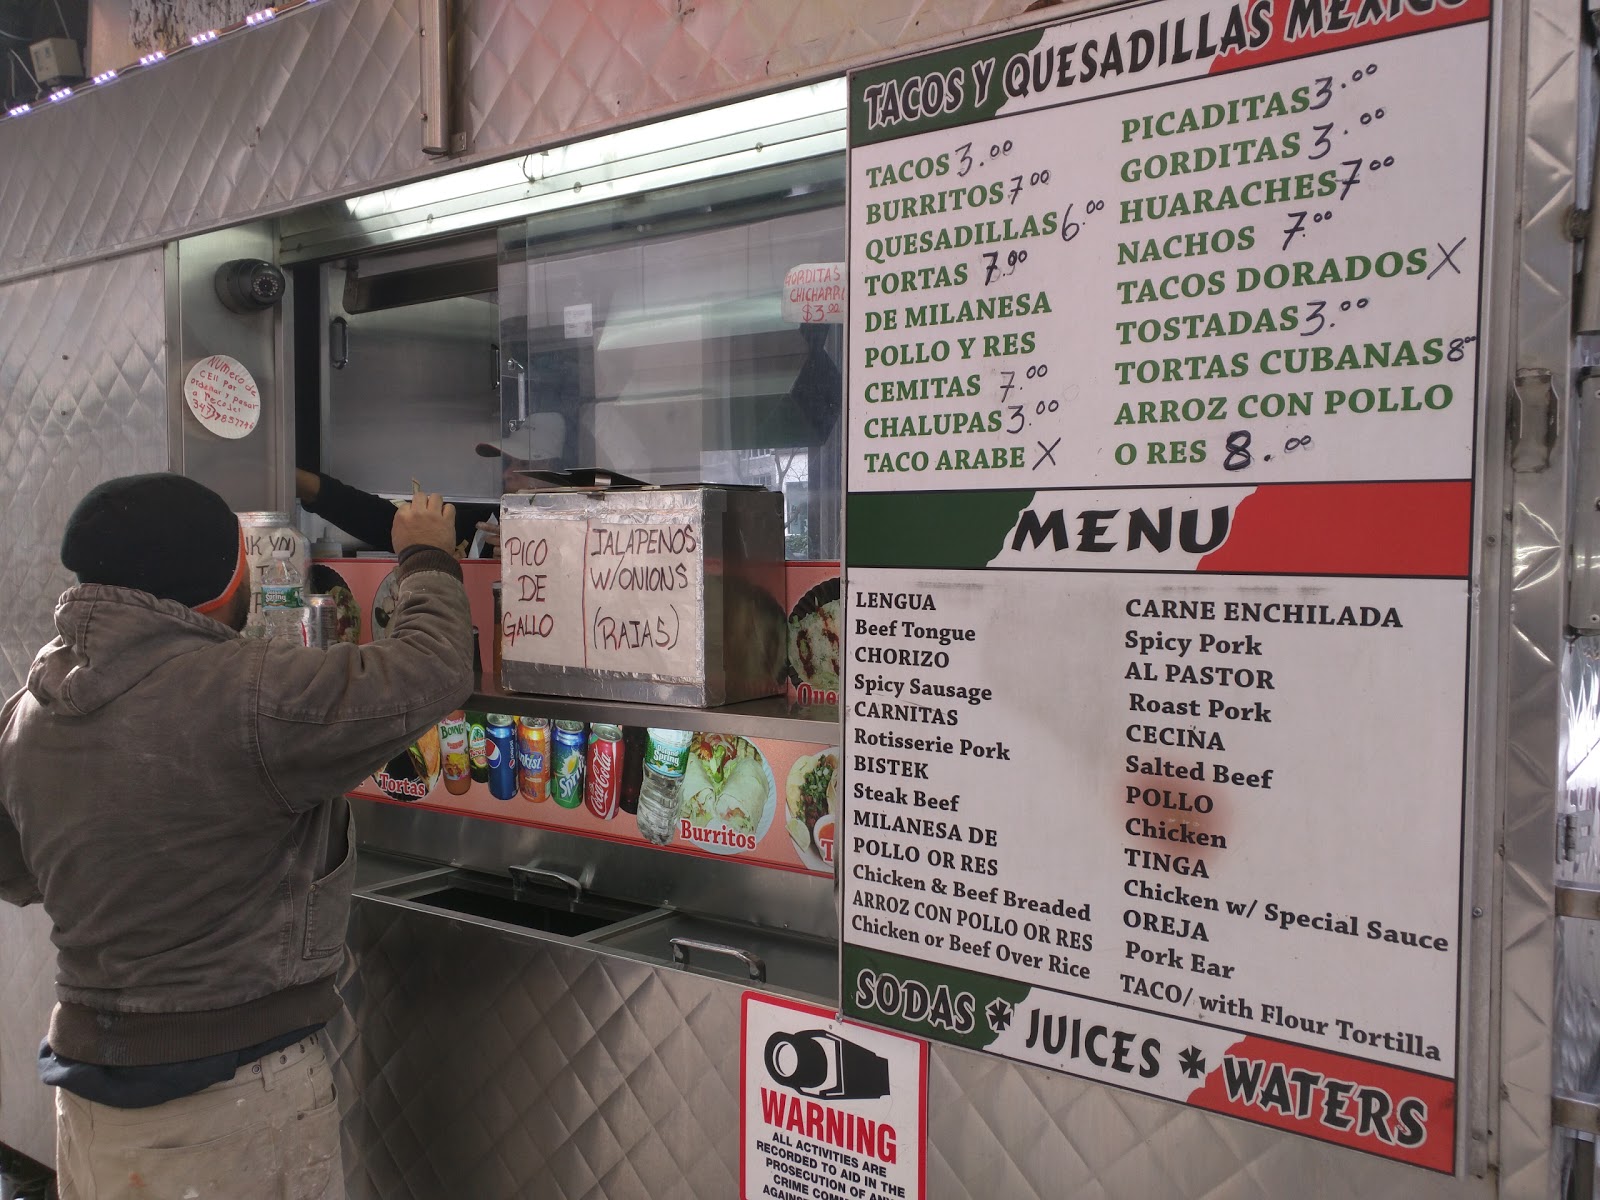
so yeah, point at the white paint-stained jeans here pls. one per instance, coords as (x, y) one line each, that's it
(269, 1133)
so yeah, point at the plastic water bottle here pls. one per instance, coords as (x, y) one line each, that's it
(283, 600)
(665, 756)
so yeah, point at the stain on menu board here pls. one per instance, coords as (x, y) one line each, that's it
(618, 595)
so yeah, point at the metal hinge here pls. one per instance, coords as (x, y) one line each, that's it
(1576, 830)
(1531, 420)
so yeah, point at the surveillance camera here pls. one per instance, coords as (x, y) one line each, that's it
(248, 285)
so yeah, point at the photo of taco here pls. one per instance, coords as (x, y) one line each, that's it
(815, 625)
(811, 795)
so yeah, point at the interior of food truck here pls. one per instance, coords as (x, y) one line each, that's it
(632, 321)
(617, 304)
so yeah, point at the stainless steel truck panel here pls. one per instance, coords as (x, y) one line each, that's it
(327, 104)
(83, 397)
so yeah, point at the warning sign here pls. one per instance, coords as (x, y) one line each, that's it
(829, 1111)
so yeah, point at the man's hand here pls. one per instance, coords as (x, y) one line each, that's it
(491, 536)
(307, 485)
(425, 521)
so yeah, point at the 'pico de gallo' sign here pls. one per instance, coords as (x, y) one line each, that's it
(222, 395)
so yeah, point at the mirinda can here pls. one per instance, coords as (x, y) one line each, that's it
(602, 788)
(533, 758)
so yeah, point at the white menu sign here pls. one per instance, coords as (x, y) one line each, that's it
(1162, 407)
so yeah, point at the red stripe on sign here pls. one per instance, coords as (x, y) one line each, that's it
(1413, 529)
(1383, 1110)
(1320, 25)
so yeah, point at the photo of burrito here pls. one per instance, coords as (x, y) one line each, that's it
(727, 785)
(811, 793)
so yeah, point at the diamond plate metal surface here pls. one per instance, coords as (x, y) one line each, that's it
(490, 1066)
(324, 103)
(82, 399)
(481, 1064)
(997, 1130)
(27, 992)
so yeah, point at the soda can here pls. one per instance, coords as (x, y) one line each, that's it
(319, 622)
(500, 755)
(533, 758)
(634, 739)
(567, 770)
(602, 789)
(478, 746)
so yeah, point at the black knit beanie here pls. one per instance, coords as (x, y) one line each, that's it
(161, 533)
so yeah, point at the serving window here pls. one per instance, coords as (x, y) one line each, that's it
(644, 334)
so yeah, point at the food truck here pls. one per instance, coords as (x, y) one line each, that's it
(1044, 642)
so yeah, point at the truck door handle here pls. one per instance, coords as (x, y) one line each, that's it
(523, 876)
(681, 946)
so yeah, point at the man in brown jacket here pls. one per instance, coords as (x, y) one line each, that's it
(172, 793)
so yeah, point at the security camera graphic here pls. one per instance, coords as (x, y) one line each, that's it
(817, 1063)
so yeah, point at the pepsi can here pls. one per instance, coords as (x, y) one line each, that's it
(500, 749)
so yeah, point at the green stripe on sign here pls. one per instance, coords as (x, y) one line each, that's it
(935, 91)
(928, 1000)
(953, 530)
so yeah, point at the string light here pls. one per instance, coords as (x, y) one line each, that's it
(259, 17)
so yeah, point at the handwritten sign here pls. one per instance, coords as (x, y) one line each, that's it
(222, 395)
(541, 593)
(610, 595)
(814, 294)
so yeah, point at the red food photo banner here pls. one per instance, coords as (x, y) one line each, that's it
(767, 802)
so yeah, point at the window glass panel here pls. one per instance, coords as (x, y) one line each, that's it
(659, 348)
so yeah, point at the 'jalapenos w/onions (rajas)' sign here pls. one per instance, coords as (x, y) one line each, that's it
(1163, 370)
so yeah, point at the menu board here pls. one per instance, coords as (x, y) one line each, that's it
(1162, 409)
